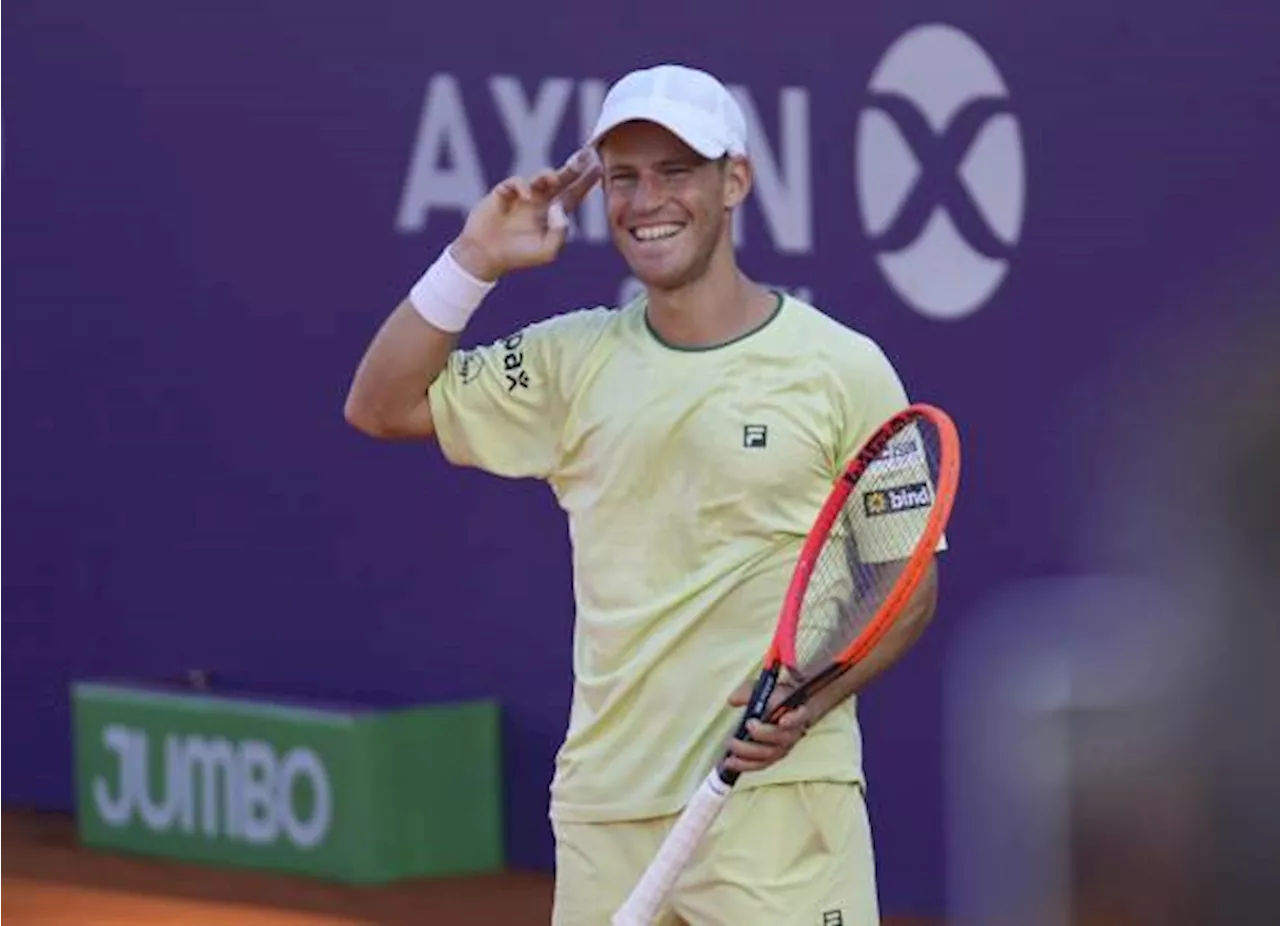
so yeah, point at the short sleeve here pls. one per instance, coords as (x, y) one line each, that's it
(894, 495)
(872, 392)
(500, 407)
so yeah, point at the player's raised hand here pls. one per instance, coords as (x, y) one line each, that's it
(522, 222)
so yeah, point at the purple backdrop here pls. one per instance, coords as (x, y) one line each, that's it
(209, 212)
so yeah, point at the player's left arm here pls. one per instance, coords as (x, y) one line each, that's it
(873, 392)
(771, 742)
(901, 636)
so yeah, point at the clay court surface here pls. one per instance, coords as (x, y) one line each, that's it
(49, 879)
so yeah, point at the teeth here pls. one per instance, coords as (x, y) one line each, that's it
(654, 232)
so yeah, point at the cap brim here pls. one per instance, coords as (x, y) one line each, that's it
(641, 111)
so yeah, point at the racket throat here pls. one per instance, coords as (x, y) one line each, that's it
(807, 690)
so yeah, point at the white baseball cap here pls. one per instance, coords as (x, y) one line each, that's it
(691, 104)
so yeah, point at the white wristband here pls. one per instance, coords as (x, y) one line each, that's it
(447, 295)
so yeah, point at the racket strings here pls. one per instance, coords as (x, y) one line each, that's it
(868, 546)
(843, 596)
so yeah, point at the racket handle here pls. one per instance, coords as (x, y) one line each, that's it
(641, 908)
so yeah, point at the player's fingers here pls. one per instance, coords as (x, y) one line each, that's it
(751, 757)
(741, 694)
(577, 176)
(796, 719)
(754, 752)
(545, 184)
(513, 189)
(735, 764)
(576, 190)
(579, 163)
(774, 735)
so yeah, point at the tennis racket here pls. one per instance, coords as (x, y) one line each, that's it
(866, 554)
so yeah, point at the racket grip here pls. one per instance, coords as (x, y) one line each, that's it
(646, 899)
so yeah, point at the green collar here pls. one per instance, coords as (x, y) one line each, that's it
(734, 340)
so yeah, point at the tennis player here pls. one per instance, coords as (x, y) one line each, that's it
(691, 437)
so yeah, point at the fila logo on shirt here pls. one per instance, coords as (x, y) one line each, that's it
(755, 435)
(940, 176)
(896, 498)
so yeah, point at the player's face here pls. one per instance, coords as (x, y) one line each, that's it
(669, 207)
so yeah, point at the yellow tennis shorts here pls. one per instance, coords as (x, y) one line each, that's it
(778, 855)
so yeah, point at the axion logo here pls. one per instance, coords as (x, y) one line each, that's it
(541, 120)
(940, 174)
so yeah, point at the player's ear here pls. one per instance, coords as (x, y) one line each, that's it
(737, 180)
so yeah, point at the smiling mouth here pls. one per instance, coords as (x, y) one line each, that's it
(656, 232)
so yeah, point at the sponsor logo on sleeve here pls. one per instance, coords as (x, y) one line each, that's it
(513, 363)
(467, 365)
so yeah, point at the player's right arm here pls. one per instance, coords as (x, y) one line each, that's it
(511, 228)
(388, 395)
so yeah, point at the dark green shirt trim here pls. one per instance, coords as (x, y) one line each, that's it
(734, 340)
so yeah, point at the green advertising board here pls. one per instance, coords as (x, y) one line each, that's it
(347, 794)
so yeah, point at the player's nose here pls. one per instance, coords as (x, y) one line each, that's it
(649, 194)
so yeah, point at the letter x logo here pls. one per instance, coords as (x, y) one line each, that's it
(939, 172)
(939, 184)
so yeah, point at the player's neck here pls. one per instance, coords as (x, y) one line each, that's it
(719, 307)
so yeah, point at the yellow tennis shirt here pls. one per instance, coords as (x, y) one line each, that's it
(690, 479)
